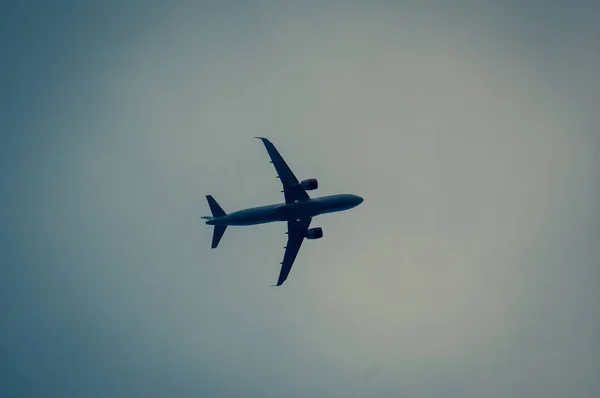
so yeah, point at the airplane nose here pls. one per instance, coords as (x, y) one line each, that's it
(359, 200)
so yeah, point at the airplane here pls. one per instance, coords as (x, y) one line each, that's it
(298, 211)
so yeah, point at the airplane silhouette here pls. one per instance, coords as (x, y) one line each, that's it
(298, 211)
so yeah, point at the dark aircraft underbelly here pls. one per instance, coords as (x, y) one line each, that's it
(296, 211)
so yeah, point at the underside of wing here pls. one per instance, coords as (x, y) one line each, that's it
(296, 233)
(292, 190)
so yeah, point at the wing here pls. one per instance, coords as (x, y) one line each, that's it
(296, 231)
(292, 190)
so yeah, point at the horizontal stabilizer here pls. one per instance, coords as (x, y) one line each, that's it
(218, 232)
(216, 210)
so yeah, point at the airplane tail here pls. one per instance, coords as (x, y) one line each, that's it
(217, 211)
(218, 232)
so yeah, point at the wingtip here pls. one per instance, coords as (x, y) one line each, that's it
(279, 283)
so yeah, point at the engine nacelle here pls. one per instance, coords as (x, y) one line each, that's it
(314, 233)
(310, 184)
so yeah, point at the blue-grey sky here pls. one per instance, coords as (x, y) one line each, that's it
(470, 128)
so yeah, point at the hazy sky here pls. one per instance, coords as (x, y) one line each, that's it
(470, 128)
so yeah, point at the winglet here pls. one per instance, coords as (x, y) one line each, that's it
(264, 140)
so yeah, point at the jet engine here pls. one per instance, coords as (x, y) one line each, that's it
(310, 184)
(314, 233)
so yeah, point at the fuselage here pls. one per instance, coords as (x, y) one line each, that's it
(286, 212)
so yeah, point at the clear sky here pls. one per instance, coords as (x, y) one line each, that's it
(469, 127)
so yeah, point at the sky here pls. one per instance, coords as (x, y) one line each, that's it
(470, 128)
